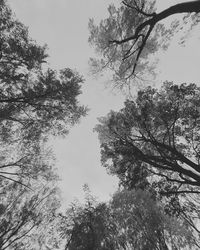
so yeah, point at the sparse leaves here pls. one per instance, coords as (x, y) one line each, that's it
(132, 33)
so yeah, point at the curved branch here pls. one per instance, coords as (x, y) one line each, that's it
(151, 21)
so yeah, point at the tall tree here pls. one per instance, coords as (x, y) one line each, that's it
(143, 224)
(131, 220)
(88, 226)
(157, 134)
(153, 144)
(132, 32)
(34, 102)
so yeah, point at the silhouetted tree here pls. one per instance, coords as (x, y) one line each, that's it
(131, 220)
(156, 134)
(88, 226)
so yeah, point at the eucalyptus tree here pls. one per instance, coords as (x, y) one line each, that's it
(132, 219)
(132, 32)
(155, 135)
(35, 102)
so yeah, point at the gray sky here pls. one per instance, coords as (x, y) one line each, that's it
(62, 24)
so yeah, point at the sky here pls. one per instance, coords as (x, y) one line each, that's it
(63, 26)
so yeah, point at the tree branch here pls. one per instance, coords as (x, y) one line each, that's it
(136, 7)
(19, 182)
(153, 19)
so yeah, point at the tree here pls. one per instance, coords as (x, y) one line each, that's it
(137, 226)
(32, 165)
(141, 223)
(131, 33)
(26, 216)
(157, 135)
(34, 103)
(132, 219)
(88, 226)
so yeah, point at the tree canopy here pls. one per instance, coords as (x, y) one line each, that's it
(157, 134)
(132, 32)
(132, 219)
(34, 102)
(151, 144)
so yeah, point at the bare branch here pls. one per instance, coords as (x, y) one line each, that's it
(19, 182)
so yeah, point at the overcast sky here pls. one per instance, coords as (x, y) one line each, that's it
(63, 26)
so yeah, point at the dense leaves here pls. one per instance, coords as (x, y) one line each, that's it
(131, 220)
(143, 224)
(26, 216)
(88, 226)
(152, 144)
(30, 98)
(34, 103)
(156, 134)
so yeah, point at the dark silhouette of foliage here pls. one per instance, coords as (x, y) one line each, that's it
(156, 135)
(88, 226)
(131, 220)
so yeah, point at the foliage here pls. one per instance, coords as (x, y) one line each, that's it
(131, 220)
(34, 164)
(26, 216)
(157, 134)
(125, 40)
(142, 223)
(88, 226)
(34, 103)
